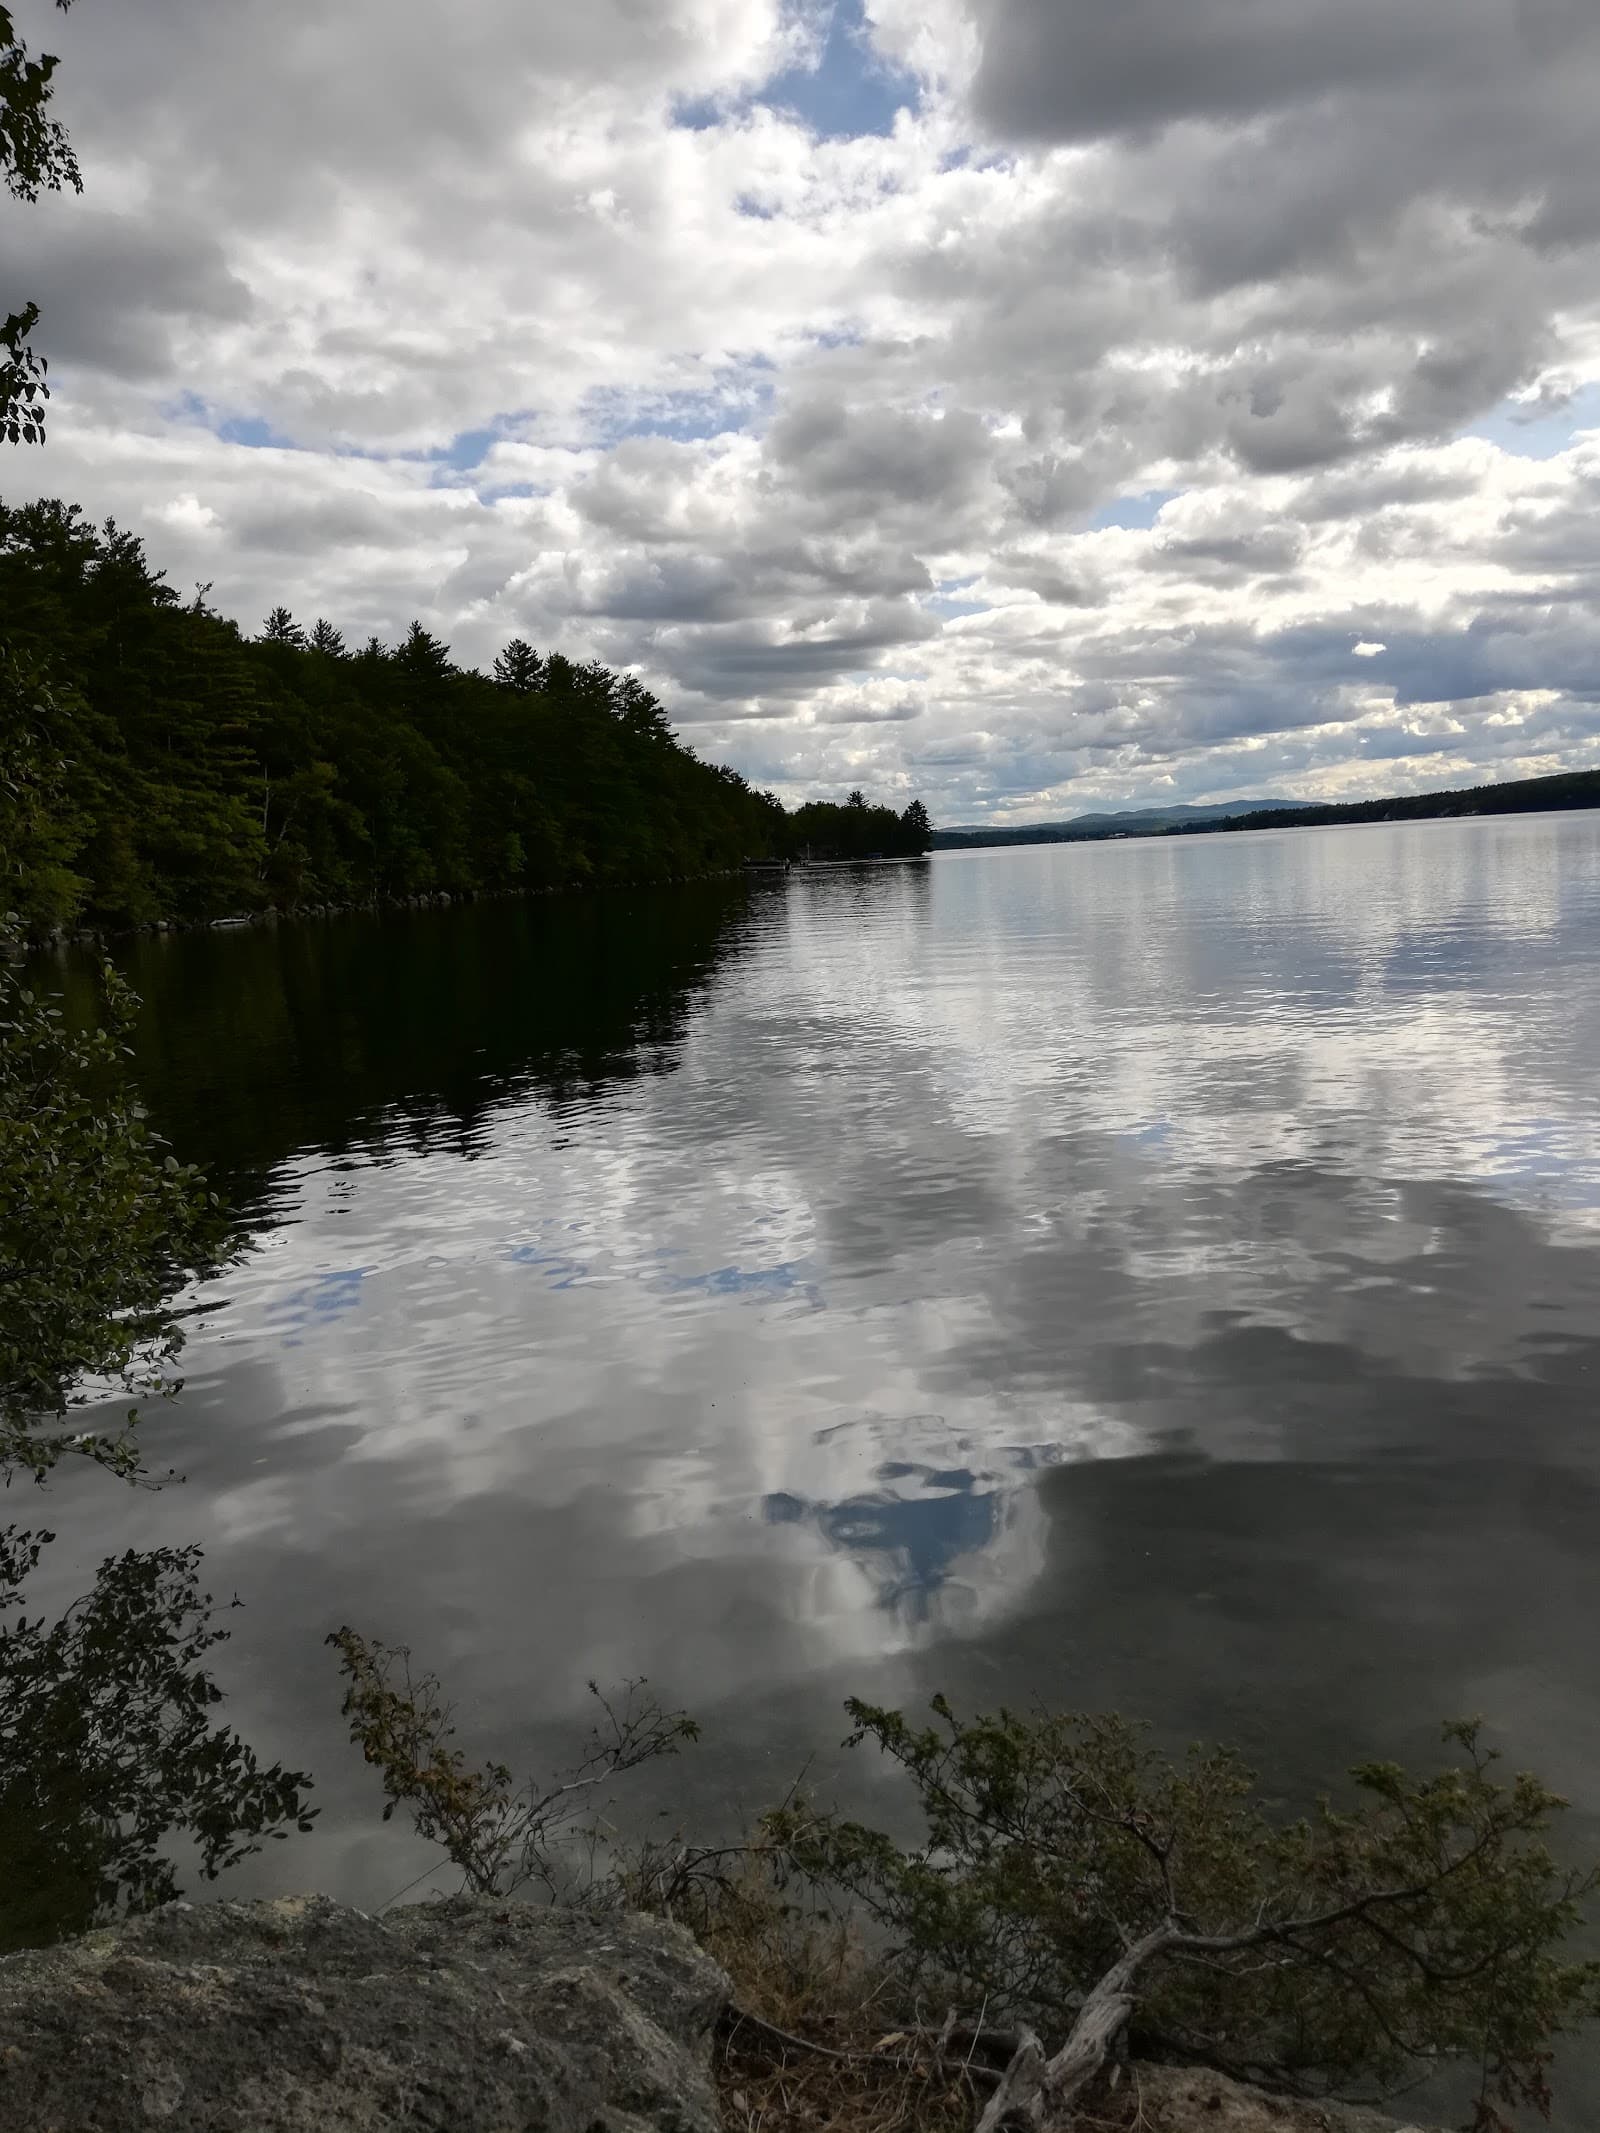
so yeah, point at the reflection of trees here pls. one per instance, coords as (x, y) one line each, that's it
(255, 1045)
(107, 1747)
(106, 1741)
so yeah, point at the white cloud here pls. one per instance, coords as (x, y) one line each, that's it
(541, 321)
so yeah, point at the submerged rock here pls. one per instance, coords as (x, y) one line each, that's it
(301, 2016)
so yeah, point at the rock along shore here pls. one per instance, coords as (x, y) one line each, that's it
(301, 2016)
(464, 2016)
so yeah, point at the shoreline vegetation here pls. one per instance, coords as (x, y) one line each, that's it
(1076, 1896)
(161, 769)
(1564, 792)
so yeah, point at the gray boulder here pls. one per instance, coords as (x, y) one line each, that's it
(300, 2016)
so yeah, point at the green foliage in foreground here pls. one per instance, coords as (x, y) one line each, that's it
(1357, 1949)
(210, 775)
(107, 1743)
(504, 1834)
(99, 1225)
(1070, 1875)
(107, 1746)
(35, 157)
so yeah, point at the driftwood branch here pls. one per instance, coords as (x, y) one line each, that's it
(1038, 2093)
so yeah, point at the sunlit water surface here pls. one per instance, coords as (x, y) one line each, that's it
(1159, 1275)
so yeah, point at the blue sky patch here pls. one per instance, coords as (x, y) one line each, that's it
(1135, 514)
(685, 417)
(1534, 433)
(465, 450)
(946, 598)
(850, 92)
(252, 430)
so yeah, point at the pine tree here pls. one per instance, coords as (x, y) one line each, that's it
(209, 772)
(519, 668)
(281, 628)
(639, 710)
(423, 657)
(917, 828)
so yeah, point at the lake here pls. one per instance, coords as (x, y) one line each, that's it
(1157, 1275)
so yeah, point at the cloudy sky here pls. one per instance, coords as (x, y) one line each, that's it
(1031, 404)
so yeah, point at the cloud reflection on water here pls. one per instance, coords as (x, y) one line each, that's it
(1161, 1275)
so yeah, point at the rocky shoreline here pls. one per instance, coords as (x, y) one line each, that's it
(465, 2016)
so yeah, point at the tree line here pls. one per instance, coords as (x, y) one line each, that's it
(183, 770)
(1557, 794)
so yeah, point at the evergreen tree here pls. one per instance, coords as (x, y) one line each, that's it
(281, 628)
(422, 657)
(639, 710)
(207, 773)
(519, 667)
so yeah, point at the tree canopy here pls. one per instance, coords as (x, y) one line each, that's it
(212, 774)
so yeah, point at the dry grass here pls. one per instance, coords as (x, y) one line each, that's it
(821, 2041)
(817, 2043)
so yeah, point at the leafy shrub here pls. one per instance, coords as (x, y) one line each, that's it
(107, 1747)
(503, 1834)
(1078, 1882)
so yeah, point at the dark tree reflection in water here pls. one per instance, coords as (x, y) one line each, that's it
(1159, 1275)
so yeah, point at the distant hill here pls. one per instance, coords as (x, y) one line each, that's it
(1516, 796)
(1134, 822)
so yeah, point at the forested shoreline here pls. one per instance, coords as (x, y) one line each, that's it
(160, 766)
(1563, 791)
(1559, 793)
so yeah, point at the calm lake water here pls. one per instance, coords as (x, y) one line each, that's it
(1153, 1275)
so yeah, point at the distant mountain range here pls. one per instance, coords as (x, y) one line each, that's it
(1132, 822)
(1514, 796)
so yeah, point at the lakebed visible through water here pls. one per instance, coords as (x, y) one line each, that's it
(1156, 1275)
